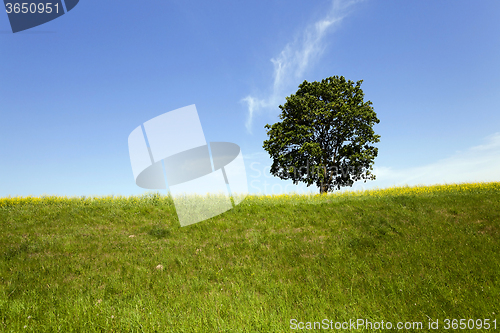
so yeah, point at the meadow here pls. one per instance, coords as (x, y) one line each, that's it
(272, 264)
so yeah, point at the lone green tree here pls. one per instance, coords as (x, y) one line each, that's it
(325, 135)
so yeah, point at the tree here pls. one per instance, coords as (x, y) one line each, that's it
(326, 129)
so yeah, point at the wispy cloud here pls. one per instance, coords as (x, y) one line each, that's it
(476, 164)
(296, 58)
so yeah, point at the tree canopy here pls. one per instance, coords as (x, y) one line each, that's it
(325, 135)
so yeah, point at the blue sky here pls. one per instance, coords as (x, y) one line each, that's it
(73, 89)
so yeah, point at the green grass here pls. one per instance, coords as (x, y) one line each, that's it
(398, 255)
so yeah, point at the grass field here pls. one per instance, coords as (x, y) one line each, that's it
(124, 264)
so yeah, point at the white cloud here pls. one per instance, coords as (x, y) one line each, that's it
(476, 164)
(295, 59)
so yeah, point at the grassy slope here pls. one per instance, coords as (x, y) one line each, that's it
(405, 255)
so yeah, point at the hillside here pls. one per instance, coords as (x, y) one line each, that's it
(124, 264)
